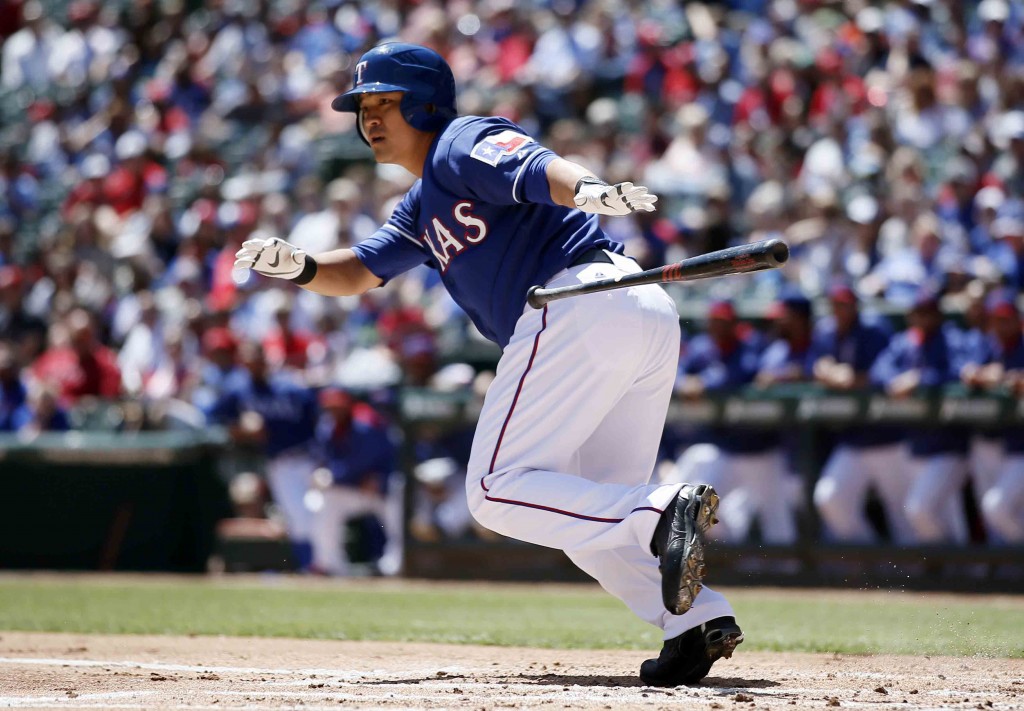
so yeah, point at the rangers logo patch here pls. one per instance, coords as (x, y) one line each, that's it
(493, 148)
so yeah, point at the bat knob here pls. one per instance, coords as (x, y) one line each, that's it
(779, 252)
(531, 297)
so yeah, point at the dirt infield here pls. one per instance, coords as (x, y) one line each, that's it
(40, 670)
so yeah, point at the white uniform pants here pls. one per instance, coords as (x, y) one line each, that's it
(753, 487)
(568, 437)
(985, 460)
(935, 504)
(842, 489)
(1002, 506)
(340, 505)
(289, 477)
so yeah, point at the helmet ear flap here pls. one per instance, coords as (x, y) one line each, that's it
(359, 127)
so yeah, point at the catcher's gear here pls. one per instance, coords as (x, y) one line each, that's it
(273, 258)
(424, 76)
(600, 198)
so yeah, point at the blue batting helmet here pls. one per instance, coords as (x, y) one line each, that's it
(424, 76)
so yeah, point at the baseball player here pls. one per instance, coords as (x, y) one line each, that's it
(740, 462)
(929, 355)
(1000, 364)
(785, 360)
(359, 455)
(567, 439)
(279, 415)
(843, 349)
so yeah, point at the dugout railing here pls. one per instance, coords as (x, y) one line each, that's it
(810, 415)
(152, 500)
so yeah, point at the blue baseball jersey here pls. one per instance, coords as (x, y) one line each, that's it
(717, 369)
(780, 357)
(289, 410)
(363, 450)
(991, 350)
(859, 348)
(939, 358)
(724, 371)
(482, 215)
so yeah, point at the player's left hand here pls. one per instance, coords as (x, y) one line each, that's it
(600, 198)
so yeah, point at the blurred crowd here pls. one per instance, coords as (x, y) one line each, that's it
(142, 141)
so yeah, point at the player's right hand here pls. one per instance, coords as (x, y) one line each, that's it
(598, 197)
(271, 257)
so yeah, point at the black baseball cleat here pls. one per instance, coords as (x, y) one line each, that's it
(687, 659)
(678, 544)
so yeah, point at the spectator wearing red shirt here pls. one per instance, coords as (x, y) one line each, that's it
(285, 346)
(90, 191)
(78, 365)
(135, 177)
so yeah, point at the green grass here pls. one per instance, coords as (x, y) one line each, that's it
(520, 615)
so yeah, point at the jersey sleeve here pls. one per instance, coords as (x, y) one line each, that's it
(821, 345)
(889, 363)
(225, 409)
(496, 161)
(394, 248)
(869, 347)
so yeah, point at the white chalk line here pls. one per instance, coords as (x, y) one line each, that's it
(160, 666)
(64, 699)
(190, 707)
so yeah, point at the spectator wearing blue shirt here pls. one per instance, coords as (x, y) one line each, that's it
(924, 358)
(277, 415)
(1000, 367)
(41, 412)
(899, 275)
(743, 464)
(358, 456)
(1008, 251)
(13, 392)
(843, 348)
(986, 206)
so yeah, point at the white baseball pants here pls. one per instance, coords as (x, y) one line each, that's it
(985, 461)
(1002, 506)
(340, 505)
(753, 487)
(568, 436)
(289, 477)
(934, 504)
(841, 490)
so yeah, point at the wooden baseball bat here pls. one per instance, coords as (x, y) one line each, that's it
(753, 257)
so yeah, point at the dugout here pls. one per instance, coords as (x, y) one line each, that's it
(146, 501)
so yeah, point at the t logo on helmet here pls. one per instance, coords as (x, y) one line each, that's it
(359, 72)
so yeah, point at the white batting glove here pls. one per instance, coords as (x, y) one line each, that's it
(271, 257)
(600, 198)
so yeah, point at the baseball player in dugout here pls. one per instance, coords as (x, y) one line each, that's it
(568, 436)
